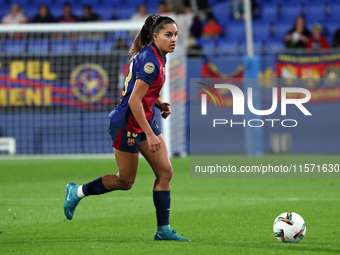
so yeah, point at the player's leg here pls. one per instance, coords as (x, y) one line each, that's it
(127, 169)
(127, 161)
(161, 165)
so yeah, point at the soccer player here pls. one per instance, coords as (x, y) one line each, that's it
(133, 128)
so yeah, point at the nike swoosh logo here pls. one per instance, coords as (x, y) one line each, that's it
(159, 236)
(168, 209)
(68, 195)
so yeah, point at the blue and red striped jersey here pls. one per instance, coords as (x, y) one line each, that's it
(149, 66)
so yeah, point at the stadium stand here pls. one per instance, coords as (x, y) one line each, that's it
(276, 18)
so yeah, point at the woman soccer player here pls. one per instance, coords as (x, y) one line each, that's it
(133, 128)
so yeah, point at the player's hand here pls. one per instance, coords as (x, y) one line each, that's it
(153, 142)
(165, 109)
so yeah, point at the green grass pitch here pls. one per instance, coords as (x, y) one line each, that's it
(220, 216)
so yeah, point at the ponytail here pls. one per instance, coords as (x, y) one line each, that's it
(153, 24)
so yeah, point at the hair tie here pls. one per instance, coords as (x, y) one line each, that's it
(155, 17)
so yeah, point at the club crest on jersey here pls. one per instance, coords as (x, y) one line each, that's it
(131, 141)
(149, 67)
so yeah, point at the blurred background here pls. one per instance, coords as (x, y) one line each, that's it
(57, 88)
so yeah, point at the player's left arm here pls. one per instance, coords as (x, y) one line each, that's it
(164, 108)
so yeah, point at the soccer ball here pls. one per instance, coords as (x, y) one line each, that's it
(289, 227)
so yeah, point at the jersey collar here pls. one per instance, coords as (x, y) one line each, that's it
(159, 53)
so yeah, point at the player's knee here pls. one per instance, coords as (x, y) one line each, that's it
(126, 184)
(166, 175)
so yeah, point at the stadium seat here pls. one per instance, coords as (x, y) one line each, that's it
(290, 11)
(152, 8)
(126, 12)
(78, 11)
(86, 46)
(269, 11)
(31, 12)
(227, 46)
(222, 13)
(281, 29)
(120, 34)
(329, 28)
(109, 4)
(258, 47)
(315, 12)
(48, 2)
(56, 9)
(15, 46)
(62, 46)
(261, 30)
(106, 46)
(38, 46)
(334, 12)
(209, 45)
(4, 10)
(295, 1)
(236, 31)
(274, 46)
(104, 13)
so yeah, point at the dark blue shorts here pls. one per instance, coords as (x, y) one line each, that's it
(126, 141)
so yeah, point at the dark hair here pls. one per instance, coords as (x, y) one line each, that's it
(153, 24)
(89, 7)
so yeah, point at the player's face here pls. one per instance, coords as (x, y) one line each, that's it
(166, 39)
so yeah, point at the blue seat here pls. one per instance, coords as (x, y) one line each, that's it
(258, 47)
(274, 46)
(78, 11)
(290, 11)
(129, 41)
(261, 30)
(4, 10)
(120, 34)
(86, 46)
(109, 4)
(63, 46)
(56, 9)
(106, 46)
(104, 13)
(31, 12)
(38, 46)
(152, 8)
(269, 11)
(126, 12)
(227, 46)
(334, 11)
(222, 14)
(281, 29)
(15, 46)
(236, 31)
(295, 1)
(208, 45)
(329, 28)
(315, 12)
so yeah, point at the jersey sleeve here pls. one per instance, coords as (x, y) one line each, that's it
(147, 69)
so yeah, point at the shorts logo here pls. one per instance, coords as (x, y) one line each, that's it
(131, 141)
(149, 68)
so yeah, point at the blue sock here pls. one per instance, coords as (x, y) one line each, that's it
(162, 200)
(95, 187)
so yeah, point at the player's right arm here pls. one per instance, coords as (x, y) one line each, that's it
(136, 106)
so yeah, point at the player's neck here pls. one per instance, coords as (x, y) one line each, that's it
(162, 54)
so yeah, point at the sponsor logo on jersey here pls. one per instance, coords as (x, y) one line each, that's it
(89, 82)
(149, 68)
